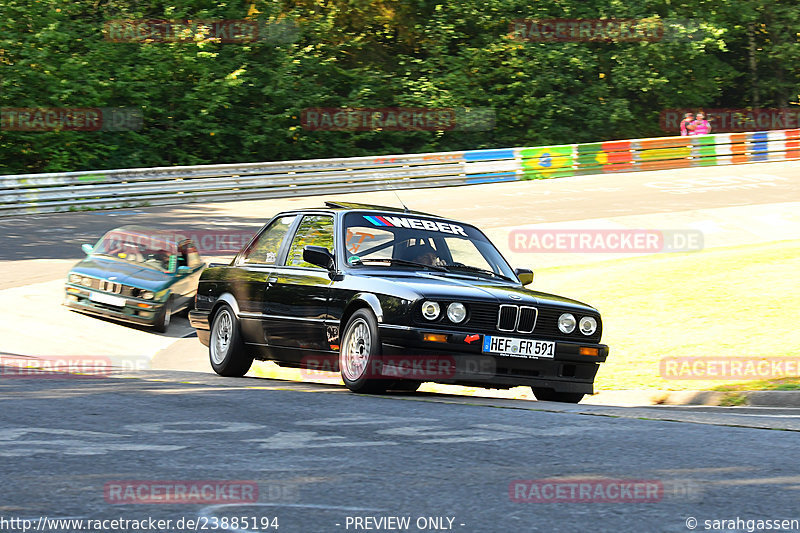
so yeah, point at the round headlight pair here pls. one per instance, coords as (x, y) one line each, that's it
(456, 311)
(567, 323)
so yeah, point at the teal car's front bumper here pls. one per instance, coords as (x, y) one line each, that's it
(136, 310)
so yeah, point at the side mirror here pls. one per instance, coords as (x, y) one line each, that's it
(319, 256)
(87, 249)
(525, 275)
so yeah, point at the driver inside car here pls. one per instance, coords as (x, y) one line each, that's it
(424, 254)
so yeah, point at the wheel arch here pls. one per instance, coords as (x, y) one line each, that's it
(225, 298)
(362, 300)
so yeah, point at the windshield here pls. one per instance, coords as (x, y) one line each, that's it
(399, 241)
(147, 249)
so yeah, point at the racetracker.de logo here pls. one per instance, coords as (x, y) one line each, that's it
(39, 119)
(586, 491)
(397, 119)
(587, 30)
(180, 492)
(208, 242)
(68, 366)
(727, 120)
(619, 241)
(744, 368)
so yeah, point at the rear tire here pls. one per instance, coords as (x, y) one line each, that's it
(359, 354)
(549, 395)
(226, 350)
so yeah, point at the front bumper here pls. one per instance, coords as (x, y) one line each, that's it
(460, 360)
(78, 298)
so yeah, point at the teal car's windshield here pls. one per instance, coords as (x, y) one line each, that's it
(401, 240)
(147, 249)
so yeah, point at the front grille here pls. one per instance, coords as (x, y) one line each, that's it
(542, 322)
(507, 320)
(113, 287)
(527, 319)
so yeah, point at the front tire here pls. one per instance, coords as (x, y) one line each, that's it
(164, 317)
(225, 347)
(359, 354)
(549, 395)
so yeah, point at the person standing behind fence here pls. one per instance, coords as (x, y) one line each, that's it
(701, 125)
(688, 118)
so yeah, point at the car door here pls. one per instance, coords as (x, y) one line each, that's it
(298, 294)
(248, 279)
(189, 268)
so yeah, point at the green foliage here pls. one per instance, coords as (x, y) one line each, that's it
(211, 102)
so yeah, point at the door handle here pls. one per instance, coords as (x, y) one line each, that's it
(271, 281)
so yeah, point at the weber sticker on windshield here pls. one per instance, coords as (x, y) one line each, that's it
(415, 223)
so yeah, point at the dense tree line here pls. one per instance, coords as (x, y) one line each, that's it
(206, 101)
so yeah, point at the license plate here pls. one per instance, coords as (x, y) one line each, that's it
(512, 347)
(108, 299)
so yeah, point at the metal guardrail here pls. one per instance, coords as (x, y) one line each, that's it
(109, 189)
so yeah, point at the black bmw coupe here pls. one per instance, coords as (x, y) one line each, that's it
(392, 298)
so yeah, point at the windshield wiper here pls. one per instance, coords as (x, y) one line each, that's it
(396, 262)
(477, 270)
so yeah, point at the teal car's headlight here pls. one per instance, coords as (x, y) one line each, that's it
(87, 282)
(148, 295)
(74, 278)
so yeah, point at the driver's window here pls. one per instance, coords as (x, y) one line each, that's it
(264, 251)
(316, 230)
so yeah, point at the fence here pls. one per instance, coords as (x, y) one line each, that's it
(108, 189)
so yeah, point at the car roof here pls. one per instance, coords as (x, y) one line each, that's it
(355, 206)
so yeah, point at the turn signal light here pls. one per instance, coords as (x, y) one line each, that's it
(585, 350)
(144, 306)
(434, 337)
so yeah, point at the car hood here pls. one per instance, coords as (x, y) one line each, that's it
(126, 273)
(455, 287)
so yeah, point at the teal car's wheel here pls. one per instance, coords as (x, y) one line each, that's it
(225, 348)
(164, 317)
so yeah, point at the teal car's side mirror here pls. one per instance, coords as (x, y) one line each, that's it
(87, 249)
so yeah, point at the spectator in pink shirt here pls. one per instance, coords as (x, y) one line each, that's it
(688, 118)
(701, 125)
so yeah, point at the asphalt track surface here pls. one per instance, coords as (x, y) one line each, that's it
(322, 457)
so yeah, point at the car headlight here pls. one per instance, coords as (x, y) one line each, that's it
(456, 312)
(74, 278)
(147, 295)
(588, 325)
(430, 310)
(86, 281)
(566, 323)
